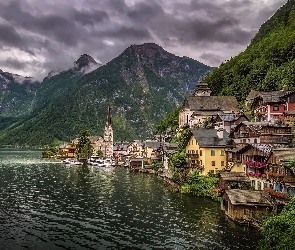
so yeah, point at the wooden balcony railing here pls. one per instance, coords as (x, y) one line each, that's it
(192, 155)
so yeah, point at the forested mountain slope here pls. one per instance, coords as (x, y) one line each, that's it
(141, 86)
(267, 64)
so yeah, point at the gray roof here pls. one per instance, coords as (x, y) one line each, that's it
(153, 144)
(247, 197)
(268, 97)
(229, 117)
(209, 138)
(206, 103)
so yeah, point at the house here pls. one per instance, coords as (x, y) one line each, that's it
(229, 121)
(136, 149)
(232, 180)
(201, 106)
(246, 206)
(205, 150)
(153, 150)
(261, 132)
(255, 157)
(271, 105)
(120, 150)
(282, 179)
(68, 150)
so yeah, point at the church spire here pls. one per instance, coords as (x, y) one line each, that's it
(108, 135)
(109, 120)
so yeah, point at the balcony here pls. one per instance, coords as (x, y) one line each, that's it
(192, 155)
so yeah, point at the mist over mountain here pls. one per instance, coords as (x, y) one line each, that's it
(141, 86)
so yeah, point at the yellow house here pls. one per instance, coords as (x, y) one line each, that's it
(205, 150)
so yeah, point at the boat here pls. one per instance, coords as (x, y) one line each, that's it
(108, 162)
(69, 161)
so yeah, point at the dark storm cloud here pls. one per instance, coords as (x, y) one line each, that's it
(143, 12)
(124, 32)
(53, 34)
(9, 36)
(90, 17)
(14, 63)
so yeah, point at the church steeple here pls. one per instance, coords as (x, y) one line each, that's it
(202, 89)
(109, 119)
(108, 135)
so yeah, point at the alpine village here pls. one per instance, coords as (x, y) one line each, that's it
(225, 133)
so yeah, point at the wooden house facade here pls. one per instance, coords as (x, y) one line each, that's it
(246, 206)
(262, 132)
(271, 105)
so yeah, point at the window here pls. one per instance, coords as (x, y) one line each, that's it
(222, 163)
(221, 152)
(192, 141)
(212, 152)
(200, 152)
(213, 163)
(275, 108)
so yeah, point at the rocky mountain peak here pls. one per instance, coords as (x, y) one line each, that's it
(85, 61)
(149, 50)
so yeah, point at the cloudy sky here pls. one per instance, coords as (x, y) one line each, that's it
(40, 36)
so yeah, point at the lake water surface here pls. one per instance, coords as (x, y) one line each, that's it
(47, 205)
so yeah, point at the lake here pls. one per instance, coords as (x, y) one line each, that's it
(45, 204)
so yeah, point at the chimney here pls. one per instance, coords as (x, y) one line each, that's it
(220, 133)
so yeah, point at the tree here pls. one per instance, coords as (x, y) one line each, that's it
(84, 146)
(99, 153)
(278, 231)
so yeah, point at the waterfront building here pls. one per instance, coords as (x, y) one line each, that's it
(68, 150)
(205, 150)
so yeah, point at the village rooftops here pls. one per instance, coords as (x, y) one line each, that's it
(262, 124)
(247, 197)
(229, 117)
(268, 97)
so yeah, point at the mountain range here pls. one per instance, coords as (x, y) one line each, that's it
(141, 86)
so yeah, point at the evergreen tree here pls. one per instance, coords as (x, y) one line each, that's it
(84, 146)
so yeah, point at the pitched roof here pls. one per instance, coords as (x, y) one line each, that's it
(229, 117)
(284, 154)
(268, 97)
(234, 176)
(208, 138)
(216, 103)
(247, 197)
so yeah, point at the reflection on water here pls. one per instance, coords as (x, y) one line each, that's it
(47, 205)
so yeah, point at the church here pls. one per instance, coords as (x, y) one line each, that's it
(105, 143)
(202, 106)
